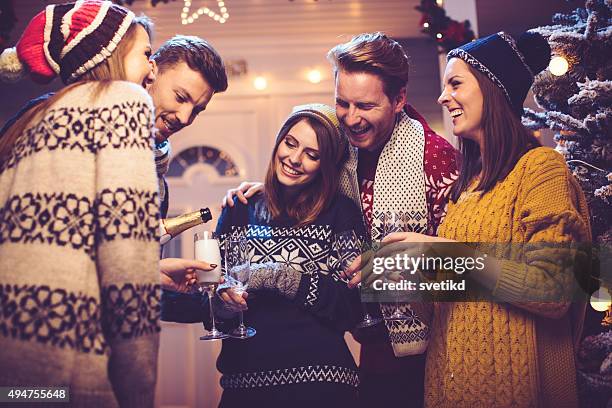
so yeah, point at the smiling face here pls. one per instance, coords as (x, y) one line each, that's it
(179, 94)
(136, 61)
(297, 160)
(463, 99)
(366, 113)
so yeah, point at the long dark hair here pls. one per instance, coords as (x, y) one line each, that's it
(314, 197)
(505, 141)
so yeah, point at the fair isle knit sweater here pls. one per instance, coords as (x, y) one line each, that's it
(511, 354)
(300, 328)
(79, 277)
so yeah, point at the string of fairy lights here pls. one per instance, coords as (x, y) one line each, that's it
(221, 17)
(558, 65)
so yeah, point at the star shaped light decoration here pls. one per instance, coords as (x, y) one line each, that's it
(221, 17)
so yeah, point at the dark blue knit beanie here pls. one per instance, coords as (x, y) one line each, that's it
(509, 64)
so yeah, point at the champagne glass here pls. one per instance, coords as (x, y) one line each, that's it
(347, 247)
(238, 272)
(206, 248)
(394, 222)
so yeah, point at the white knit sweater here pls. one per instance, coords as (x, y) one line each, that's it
(79, 278)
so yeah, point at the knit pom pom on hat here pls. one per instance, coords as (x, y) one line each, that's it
(11, 68)
(509, 64)
(535, 49)
(67, 40)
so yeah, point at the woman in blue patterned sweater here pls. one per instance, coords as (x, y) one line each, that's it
(298, 303)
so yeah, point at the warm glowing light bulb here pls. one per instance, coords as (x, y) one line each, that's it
(558, 66)
(440, 2)
(260, 83)
(438, 35)
(601, 300)
(426, 25)
(314, 76)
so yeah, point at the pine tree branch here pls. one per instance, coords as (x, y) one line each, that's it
(563, 38)
(599, 122)
(562, 121)
(591, 28)
(593, 92)
(534, 120)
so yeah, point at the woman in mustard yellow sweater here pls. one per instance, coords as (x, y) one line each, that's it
(516, 352)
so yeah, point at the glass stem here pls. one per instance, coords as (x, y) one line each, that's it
(241, 321)
(366, 315)
(212, 313)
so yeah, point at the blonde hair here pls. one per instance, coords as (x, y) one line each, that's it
(111, 69)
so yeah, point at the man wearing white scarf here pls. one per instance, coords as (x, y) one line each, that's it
(397, 163)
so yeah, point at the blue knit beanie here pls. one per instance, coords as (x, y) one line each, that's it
(509, 64)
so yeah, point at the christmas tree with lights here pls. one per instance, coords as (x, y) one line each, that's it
(576, 95)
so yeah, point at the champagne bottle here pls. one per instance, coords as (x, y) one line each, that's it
(171, 227)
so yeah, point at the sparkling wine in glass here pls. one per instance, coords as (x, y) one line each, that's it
(237, 266)
(206, 248)
(394, 222)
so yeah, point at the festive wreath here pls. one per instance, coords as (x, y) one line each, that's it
(448, 33)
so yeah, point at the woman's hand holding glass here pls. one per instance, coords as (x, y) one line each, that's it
(236, 301)
(237, 267)
(234, 296)
(347, 247)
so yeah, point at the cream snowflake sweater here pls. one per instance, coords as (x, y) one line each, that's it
(79, 276)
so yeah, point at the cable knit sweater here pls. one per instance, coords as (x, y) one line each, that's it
(511, 355)
(79, 276)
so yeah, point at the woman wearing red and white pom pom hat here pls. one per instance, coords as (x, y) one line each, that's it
(79, 207)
